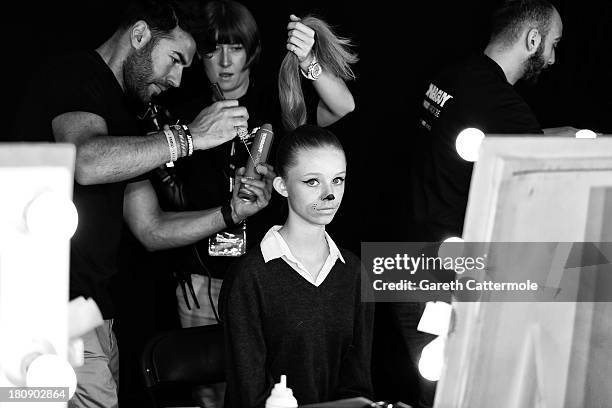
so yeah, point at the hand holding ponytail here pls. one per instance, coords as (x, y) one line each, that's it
(333, 54)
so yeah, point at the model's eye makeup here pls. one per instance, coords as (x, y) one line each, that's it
(338, 180)
(311, 182)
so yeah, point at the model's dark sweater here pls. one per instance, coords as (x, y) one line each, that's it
(277, 323)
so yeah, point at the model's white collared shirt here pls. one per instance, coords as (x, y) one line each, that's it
(274, 246)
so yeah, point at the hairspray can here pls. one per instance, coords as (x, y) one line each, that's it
(259, 154)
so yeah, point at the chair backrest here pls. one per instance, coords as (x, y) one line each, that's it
(180, 359)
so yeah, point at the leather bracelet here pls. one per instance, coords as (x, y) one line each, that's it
(226, 212)
(189, 139)
(181, 139)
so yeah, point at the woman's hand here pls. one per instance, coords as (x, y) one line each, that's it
(300, 40)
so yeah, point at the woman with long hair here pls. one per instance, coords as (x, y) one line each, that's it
(292, 305)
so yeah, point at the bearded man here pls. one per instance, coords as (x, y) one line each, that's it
(479, 93)
(476, 93)
(89, 99)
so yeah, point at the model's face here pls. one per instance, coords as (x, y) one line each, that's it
(225, 65)
(545, 55)
(157, 66)
(315, 184)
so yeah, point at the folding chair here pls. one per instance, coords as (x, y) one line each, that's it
(174, 362)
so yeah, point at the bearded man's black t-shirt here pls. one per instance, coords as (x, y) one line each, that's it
(82, 82)
(472, 94)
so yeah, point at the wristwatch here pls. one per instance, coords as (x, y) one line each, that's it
(314, 70)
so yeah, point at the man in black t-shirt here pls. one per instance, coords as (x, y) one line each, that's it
(89, 99)
(479, 93)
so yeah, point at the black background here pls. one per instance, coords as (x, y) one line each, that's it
(401, 46)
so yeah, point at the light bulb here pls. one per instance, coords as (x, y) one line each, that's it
(49, 370)
(17, 351)
(468, 143)
(51, 215)
(432, 359)
(586, 134)
(452, 247)
(436, 318)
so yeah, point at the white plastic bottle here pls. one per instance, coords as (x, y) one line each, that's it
(281, 396)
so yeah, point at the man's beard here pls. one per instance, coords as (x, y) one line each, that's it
(138, 72)
(535, 64)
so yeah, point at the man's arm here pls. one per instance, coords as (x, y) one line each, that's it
(157, 229)
(105, 159)
(561, 131)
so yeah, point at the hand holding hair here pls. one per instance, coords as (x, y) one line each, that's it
(335, 57)
(300, 41)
